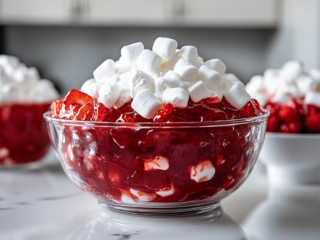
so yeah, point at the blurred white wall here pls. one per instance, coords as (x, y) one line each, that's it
(298, 35)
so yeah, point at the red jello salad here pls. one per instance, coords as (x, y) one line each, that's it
(121, 147)
(24, 98)
(165, 84)
(292, 95)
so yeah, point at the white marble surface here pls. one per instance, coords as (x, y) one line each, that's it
(43, 204)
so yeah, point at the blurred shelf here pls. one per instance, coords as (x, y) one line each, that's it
(163, 13)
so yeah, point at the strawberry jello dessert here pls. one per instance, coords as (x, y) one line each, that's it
(292, 95)
(158, 132)
(24, 98)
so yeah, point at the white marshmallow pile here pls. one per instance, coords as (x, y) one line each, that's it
(282, 85)
(161, 76)
(20, 84)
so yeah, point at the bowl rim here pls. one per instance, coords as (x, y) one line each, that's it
(216, 123)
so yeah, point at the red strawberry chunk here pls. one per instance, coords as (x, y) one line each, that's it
(313, 123)
(288, 114)
(85, 112)
(76, 97)
(163, 113)
(56, 107)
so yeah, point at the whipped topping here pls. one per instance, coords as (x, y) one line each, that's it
(289, 82)
(20, 84)
(161, 76)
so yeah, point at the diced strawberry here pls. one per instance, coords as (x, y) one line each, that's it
(208, 101)
(311, 109)
(70, 112)
(313, 123)
(292, 127)
(273, 123)
(77, 97)
(288, 114)
(163, 113)
(85, 112)
(252, 108)
(272, 107)
(56, 107)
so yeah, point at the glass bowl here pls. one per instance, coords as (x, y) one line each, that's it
(158, 168)
(23, 134)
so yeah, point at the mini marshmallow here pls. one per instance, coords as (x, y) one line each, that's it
(186, 70)
(158, 163)
(91, 87)
(255, 85)
(166, 192)
(139, 80)
(9, 60)
(161, 72)
(43, 92)
(312, 98)
(237, 96)
(123, 98)
(291, 70)
(315, 73)
(142, 196)
(130, 53)
(122, 66)
(262, 98)
(165, 47)
(169, 64)
(189, 53)
(149, 62)
(178, 97)
(200, 91)
(281, 97)
(170, 80)
(125, 81)
(217, 65)
(26, 77)
(230, 77)
(146, 104)
(11, 92)
(107, 68)
(109, 93)
(210, 77)
(306, 84)
(202, 172)
(3, 77)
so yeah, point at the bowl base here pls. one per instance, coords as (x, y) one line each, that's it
(215, 208)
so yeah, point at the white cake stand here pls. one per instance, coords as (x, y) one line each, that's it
(292, 158)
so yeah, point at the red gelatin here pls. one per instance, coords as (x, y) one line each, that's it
(23, 133)
(127, 163)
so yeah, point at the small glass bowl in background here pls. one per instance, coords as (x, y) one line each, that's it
(23, 134)
(158, 168)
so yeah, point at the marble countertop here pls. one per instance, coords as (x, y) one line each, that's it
(43, 204)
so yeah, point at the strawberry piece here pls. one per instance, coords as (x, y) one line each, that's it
(56, 107)
(311, 109)
(76, 97)
(85, 112)
(313, 123)
(252, 109)
(288, 114)
(208, 101)
(273, 123)
(273, 107)
(163, 113)
(292, 127)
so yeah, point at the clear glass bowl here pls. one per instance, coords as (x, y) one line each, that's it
(158, 168)
(23, 134)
